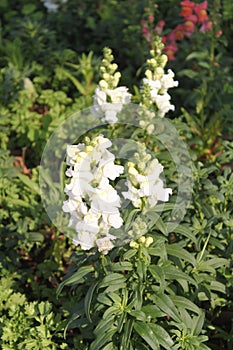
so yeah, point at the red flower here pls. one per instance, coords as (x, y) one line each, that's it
(146, 33)
(159, 27)
(187, 8)
(171, 37)
(187, 3)
(200, 10)
(219, 33)
(151, 18)
(206, 26)
(170, 50)
(189, 28)
(179, 32)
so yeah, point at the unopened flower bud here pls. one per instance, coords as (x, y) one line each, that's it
(103, 84)
(117, 75)
(148, 242)
(142, 239)
(89, 149)
(150, 128)
(106, 76)
(164, 60)
(113, 67)
(133, 244)
(159, 71)
(148, 74)
(132, 171)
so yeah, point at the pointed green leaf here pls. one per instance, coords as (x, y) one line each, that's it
(112, 278)
(147, 334)
(76, 278)
(163, 337)
(172, 273)
(165, 303)
(182, 302)
(176, 250)
(88, 299)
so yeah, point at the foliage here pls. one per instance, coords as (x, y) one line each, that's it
(27, 325)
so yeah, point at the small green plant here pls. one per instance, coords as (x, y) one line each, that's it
(27, 325)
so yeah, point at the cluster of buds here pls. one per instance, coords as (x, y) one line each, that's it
(109, 99)
(155, 86)
(146, 241)
(195, 17)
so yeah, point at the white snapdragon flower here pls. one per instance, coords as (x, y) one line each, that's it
(105, 198)
(72, 151)
(168, 82)
(114, 220)
(105, 244)
(107, 167)
(93, 203)
(119, 95)
(110, 112)
(163, 104)
(85, 239)
(109, 102)
(146, 188)
(155, 86)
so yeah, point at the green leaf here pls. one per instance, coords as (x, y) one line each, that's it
(104, 325)
(165, 303)
(172, 273)
(76, 278)
(103, 299)
(176, 250)
(130, 219)
(112, 278)
(188, 73)
(138, 315)
(115, 298)
(125, 340)
(198, 323)
(212, 264)
(88, 299)
(121, 266)
(182, 302)
(218, 286)
(29, 183)
(158, 274)
(160, 225)
(147, 334)
(152, 311)
(186, 231)
(103, 337)
(109, 346)
(34, 236)
(162, 336)
(112, 310)
(200, 55)
(129, 254)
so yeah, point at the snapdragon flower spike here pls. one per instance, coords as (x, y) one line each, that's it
(109, 98)
(93, 203)
(145, 188)
(158, 83)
